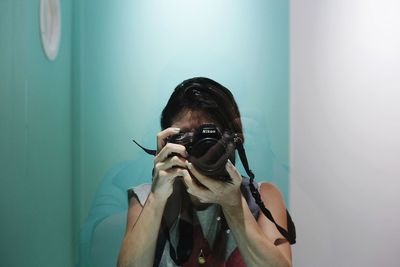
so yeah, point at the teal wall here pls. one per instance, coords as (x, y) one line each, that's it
(131, 56)
(35, 140)
(135, 52)
(65, 124)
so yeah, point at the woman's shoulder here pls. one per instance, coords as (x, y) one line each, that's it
(140, 192)
(274, 202)
(267, 190)
(270, 188)
(271, 195)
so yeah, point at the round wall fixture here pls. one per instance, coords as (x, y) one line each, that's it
(50, 27)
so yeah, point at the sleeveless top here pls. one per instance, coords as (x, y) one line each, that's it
(204, 234)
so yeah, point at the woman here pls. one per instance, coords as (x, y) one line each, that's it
(187, 218)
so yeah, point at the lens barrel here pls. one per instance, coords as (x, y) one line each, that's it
(208, 150)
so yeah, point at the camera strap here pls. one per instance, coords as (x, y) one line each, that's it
(290, 234)
(148, 151)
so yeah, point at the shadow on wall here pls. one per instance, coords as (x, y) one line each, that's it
(104, 228)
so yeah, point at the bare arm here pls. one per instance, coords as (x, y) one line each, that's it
(256, 240)
(139, 244)
(143, 225)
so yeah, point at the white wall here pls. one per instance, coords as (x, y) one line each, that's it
(345, 132)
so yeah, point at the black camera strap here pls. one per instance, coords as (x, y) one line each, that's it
(290, 234)
(148, 151)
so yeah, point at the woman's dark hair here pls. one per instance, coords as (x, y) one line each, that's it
(207, 96)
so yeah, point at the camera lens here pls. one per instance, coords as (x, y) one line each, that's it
(208, 150)
(210, 155)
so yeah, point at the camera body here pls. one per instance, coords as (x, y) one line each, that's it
(208, 150)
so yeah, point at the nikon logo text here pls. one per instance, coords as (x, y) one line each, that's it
(208, 131)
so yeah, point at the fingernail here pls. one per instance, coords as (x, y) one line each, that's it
(177, 130)
(229, 164)
(189, 165)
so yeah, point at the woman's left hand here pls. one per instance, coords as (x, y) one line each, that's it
(226, 194)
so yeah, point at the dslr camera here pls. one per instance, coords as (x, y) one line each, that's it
(208, 149)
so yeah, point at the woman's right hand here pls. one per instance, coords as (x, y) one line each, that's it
(169, 163)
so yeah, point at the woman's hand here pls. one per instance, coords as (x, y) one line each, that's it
(226, 194)
(169, 163)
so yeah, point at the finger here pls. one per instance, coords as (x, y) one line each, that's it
(161, 136)
(168, 149)
(187, 179)
(193, 188)
(233, 172)
(169, 163)
(204, 180)
(170, 174)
